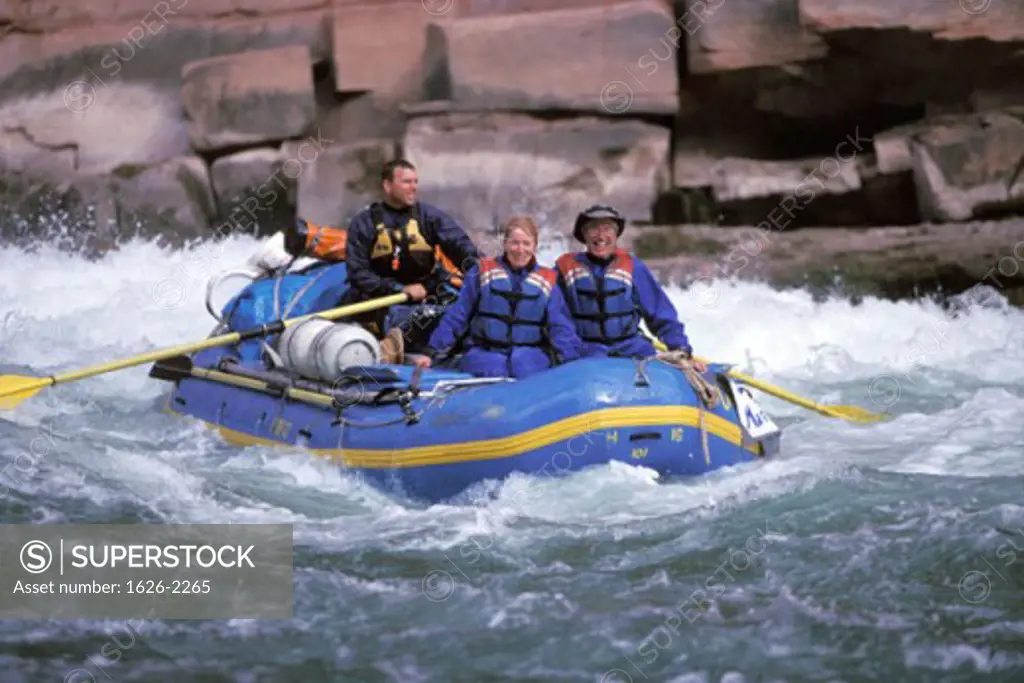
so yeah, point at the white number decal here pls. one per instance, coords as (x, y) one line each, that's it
(757, 423)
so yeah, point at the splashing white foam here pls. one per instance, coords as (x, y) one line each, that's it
(953, 382)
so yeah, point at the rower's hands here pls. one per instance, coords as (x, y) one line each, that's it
(416, 292)
(699, 366)
(422, 361)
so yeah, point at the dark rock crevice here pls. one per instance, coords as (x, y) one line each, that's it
(26, 135)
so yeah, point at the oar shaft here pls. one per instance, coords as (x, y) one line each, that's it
(224, 339)
(778, 392)
(146, 358)
(351, 309)
(845, 412)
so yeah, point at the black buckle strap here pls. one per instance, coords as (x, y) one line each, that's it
(641, 379)
(510, 319)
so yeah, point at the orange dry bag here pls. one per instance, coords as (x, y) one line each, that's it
(316, 241)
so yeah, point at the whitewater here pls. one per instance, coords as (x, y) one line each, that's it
(892, 551)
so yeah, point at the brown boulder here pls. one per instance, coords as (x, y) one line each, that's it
(100, 128)
(997, 21)
(361, 116)
(253, 193)
(339, 180)
(615, 58)
(480, 167)
(390, 62)
(780, 194)
(738, 164)
(727, 35)
(482, 8)
(379, 47)
(48, 15)
(249, 98)
(893, 148)
(77, 90)
(734, 179)
(452, 9)
(153, 51)
(172, 200)
(894, 262)
(972, 169)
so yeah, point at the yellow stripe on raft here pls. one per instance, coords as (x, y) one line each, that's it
(491, 449)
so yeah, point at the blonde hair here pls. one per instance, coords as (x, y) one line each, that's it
(524, 223)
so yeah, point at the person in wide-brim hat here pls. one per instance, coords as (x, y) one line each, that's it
(609, 291)
(596, 213)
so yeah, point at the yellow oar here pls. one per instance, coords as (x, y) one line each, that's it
(14, 389)
(852, 413)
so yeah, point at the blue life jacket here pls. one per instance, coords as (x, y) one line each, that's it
(507, 315)
(605, 309)
(313, 289)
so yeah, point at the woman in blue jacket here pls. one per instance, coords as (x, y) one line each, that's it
(510, 314)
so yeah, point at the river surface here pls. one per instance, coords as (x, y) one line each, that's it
(891, 552)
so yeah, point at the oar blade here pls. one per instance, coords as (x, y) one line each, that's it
(857, 414)
(16, 389)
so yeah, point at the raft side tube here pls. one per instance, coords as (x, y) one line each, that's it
(467, 429)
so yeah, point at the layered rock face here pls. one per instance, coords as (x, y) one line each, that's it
(179, 118)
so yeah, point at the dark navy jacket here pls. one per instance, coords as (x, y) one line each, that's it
(655, 307)
(437, 227)
(520, 361)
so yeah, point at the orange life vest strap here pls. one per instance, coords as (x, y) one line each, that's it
(453, 272)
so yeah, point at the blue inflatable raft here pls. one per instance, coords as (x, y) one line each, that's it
(433, 435)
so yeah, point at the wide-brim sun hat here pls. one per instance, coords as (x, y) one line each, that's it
(598, 211)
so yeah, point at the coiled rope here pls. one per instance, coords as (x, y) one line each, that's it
(709, 394)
